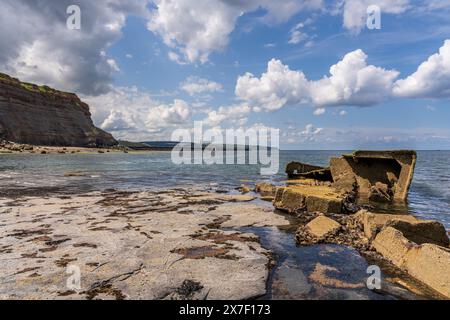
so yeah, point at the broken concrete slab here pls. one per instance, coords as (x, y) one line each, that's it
(430, 264)
(386, 173)
(427, 263)
(392, 245)
(299, 170)
(309, 198)
(296, 169)
(323, 226)
(415, 230)
(422, 232)
(374, 222)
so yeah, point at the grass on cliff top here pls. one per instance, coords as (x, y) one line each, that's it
(33, 87)
(43, 89)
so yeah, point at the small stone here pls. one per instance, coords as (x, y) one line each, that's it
(244, 189)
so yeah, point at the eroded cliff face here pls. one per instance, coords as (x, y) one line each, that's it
(40, 115)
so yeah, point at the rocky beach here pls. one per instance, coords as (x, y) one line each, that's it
(189, 243)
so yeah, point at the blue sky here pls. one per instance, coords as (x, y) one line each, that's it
(148, 68)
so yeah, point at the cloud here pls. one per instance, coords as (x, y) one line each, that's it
(297, 34)
(355, 11)
(295, 135)
(275, 88)
(38, 46)
(351, 82)
(438, 4)
(431, 80)
(132, 114)
(319, 111)
(194, 85)
(235, 114)
(195, 29)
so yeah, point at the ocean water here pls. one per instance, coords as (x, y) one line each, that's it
(429, 196)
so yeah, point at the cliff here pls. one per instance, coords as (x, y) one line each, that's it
(40, 115)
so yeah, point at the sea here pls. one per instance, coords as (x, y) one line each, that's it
(429, 197)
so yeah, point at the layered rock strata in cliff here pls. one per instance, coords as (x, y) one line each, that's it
(39, 115)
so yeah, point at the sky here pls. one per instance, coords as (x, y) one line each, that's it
(311, 68)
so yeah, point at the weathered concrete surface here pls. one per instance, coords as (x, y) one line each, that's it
(421, 232)
(374, 222)
(392, 245)
(133, 245)
(297, 169)
(379, 175)
(418, 231)
(431, 265)
(428, 263)
(323, 226)
(309, 198)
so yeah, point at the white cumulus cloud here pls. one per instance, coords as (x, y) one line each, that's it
(132, 114)
(235, 114)
(275, 88)
(351, 82)
(431, 80)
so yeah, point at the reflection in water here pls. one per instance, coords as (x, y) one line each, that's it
(325, 272)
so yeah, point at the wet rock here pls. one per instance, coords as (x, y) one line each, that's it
(266, 189)
(74, 174)
(244, 189)
(323, 226)
(188, 289)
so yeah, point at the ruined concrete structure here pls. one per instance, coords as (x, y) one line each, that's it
(377, 175)
(381, 176)
(326, 198)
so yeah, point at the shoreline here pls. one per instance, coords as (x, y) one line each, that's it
(163, 241)
(17, 148)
